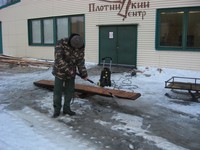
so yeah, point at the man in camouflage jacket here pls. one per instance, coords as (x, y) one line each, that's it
(69, 57)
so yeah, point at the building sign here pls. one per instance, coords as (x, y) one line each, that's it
(126, 8)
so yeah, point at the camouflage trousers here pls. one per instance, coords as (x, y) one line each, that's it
(66, 88)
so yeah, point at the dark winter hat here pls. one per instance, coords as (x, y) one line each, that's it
(77, 41)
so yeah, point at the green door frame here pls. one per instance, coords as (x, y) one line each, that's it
(1, 43)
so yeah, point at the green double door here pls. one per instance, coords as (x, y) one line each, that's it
(119, 43)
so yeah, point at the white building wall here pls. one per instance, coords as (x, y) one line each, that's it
(15, 30)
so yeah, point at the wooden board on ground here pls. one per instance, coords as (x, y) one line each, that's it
(23, 61)
(49, 84)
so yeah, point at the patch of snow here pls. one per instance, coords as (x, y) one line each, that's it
(29, 129)
(26, 134)
(133, 124)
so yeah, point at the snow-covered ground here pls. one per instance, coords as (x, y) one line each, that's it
(29, 129)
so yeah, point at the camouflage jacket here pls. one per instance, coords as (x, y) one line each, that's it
(68, 60)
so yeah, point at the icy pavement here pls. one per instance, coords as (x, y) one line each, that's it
(152, 122)
(28, 129)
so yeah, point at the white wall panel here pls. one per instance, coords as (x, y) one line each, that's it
(15, 33)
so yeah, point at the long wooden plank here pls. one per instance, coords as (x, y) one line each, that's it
(49, 84)
(23, 61)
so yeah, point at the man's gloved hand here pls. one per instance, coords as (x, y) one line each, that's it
(86, 78)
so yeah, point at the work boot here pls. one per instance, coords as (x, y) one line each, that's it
(55, 114)
(69, 112)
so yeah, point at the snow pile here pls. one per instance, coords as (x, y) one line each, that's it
(29, 130)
